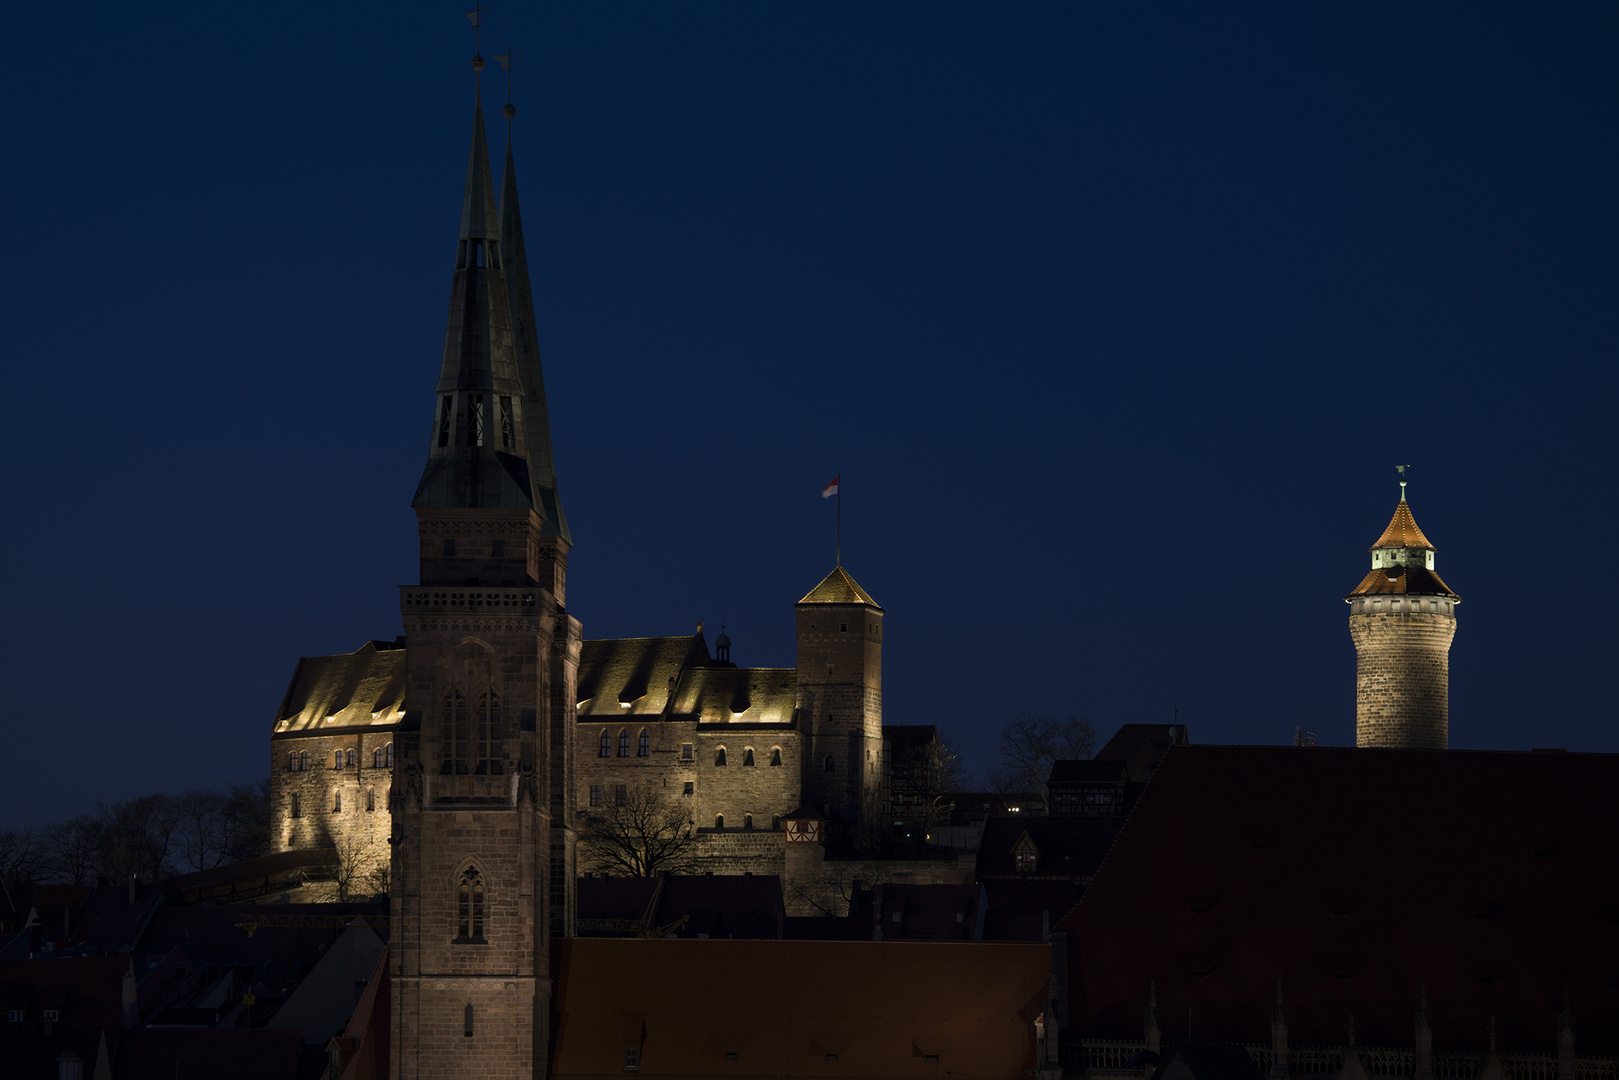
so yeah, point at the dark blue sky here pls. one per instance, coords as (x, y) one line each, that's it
(1115, 320)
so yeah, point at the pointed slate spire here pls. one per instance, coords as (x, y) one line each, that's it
(478, 456)
(525, 338)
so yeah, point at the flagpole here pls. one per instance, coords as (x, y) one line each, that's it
(839, 559)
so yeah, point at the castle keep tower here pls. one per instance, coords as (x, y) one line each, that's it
(1402, 617)
(482, 858)
(840, 696)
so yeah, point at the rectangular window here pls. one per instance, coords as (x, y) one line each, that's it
(297, 806)
(621, 795)
(595, 794)
(15, 1016)
(632, 1058)
(52, 1014)
(685, 751)
(690, 787)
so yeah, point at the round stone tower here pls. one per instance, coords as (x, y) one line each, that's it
(1402, 617)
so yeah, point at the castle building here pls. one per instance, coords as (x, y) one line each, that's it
(1402, 617)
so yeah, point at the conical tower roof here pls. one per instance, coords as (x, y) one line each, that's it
(526, 343)
(1402, 531)
(839, 588)
(478, 455)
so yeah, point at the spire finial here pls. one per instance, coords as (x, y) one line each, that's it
(508, 110)
(1401, 470)
(475, 16)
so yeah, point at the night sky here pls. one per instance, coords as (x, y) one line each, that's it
(1114, 319)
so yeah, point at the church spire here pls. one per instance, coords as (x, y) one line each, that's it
(478, 453)
(525, 339)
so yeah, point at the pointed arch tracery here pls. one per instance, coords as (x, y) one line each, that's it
(471, 905)
(471, 717)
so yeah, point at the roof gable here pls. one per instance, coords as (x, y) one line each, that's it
(839, 588)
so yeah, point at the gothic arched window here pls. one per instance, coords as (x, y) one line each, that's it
(337, 759)
(719, 821)
(388, 755)
(292, 761)
(775, 755)
(747, 756)
(645, 747)
(303, 761)
(483, 750)
(606, 748)
(337, 801)
(469, 905)
(376, 758)
(348, 759)
(623, 742)
(457, 732)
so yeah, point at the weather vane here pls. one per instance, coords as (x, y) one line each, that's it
(475, 16)
(505, 61)
(1401, 470)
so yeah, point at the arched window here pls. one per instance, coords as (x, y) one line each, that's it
(775, 822)
(371, 798)
(457, 732)
(470, 905)
(388, 755)
(337, 800)
(292, 761)
(719, 821)
(747, 821)
(775, 755)
(831, 766)
(337, 759)
(297, 806)
(303, 761)
(719, 756)
(645, 747)
(606, 748)
(623, 742)
(348, 758)
(747, 756)
(488, 724)
(376, 758)
(466, 1028)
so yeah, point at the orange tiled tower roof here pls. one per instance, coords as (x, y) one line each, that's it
(1402, 562)
(1402, 531)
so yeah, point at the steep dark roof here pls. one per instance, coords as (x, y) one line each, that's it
(364, 688)
(1069, 846)
(1086, 772)
(1356, 876)
(1141, 746)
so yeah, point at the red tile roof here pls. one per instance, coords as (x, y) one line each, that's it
(783, 1006)
(1357, 876)
(1402, 581)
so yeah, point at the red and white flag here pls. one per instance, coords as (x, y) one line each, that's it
(831, 489)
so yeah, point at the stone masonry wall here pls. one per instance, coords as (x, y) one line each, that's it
(362, 823)
(1402, 679)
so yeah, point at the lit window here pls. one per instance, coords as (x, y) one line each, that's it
(469, 909)
(623, 743)
(621, 795)
(1025, 861)
(645, 748)
(747, 756)
(595, 794)
(606, 748)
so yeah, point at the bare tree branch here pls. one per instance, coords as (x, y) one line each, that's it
(645, 834)
(1029, 746)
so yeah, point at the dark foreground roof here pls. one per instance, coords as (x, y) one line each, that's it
(1358, 876)
(782, 1007)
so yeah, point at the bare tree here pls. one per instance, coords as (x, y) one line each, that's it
(245, 821)
(640, 836)
(69, 850)
(22, 855)
(137, 837)
(357, 871)
(1029, 746)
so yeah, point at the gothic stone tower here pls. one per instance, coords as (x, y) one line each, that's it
(482, 860)
(1402, 617)
(840, 696)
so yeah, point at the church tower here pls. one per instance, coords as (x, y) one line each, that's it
(1402, 617)
(482, 855)
(840, 697)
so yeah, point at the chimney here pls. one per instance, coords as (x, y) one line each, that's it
(132, 1009)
